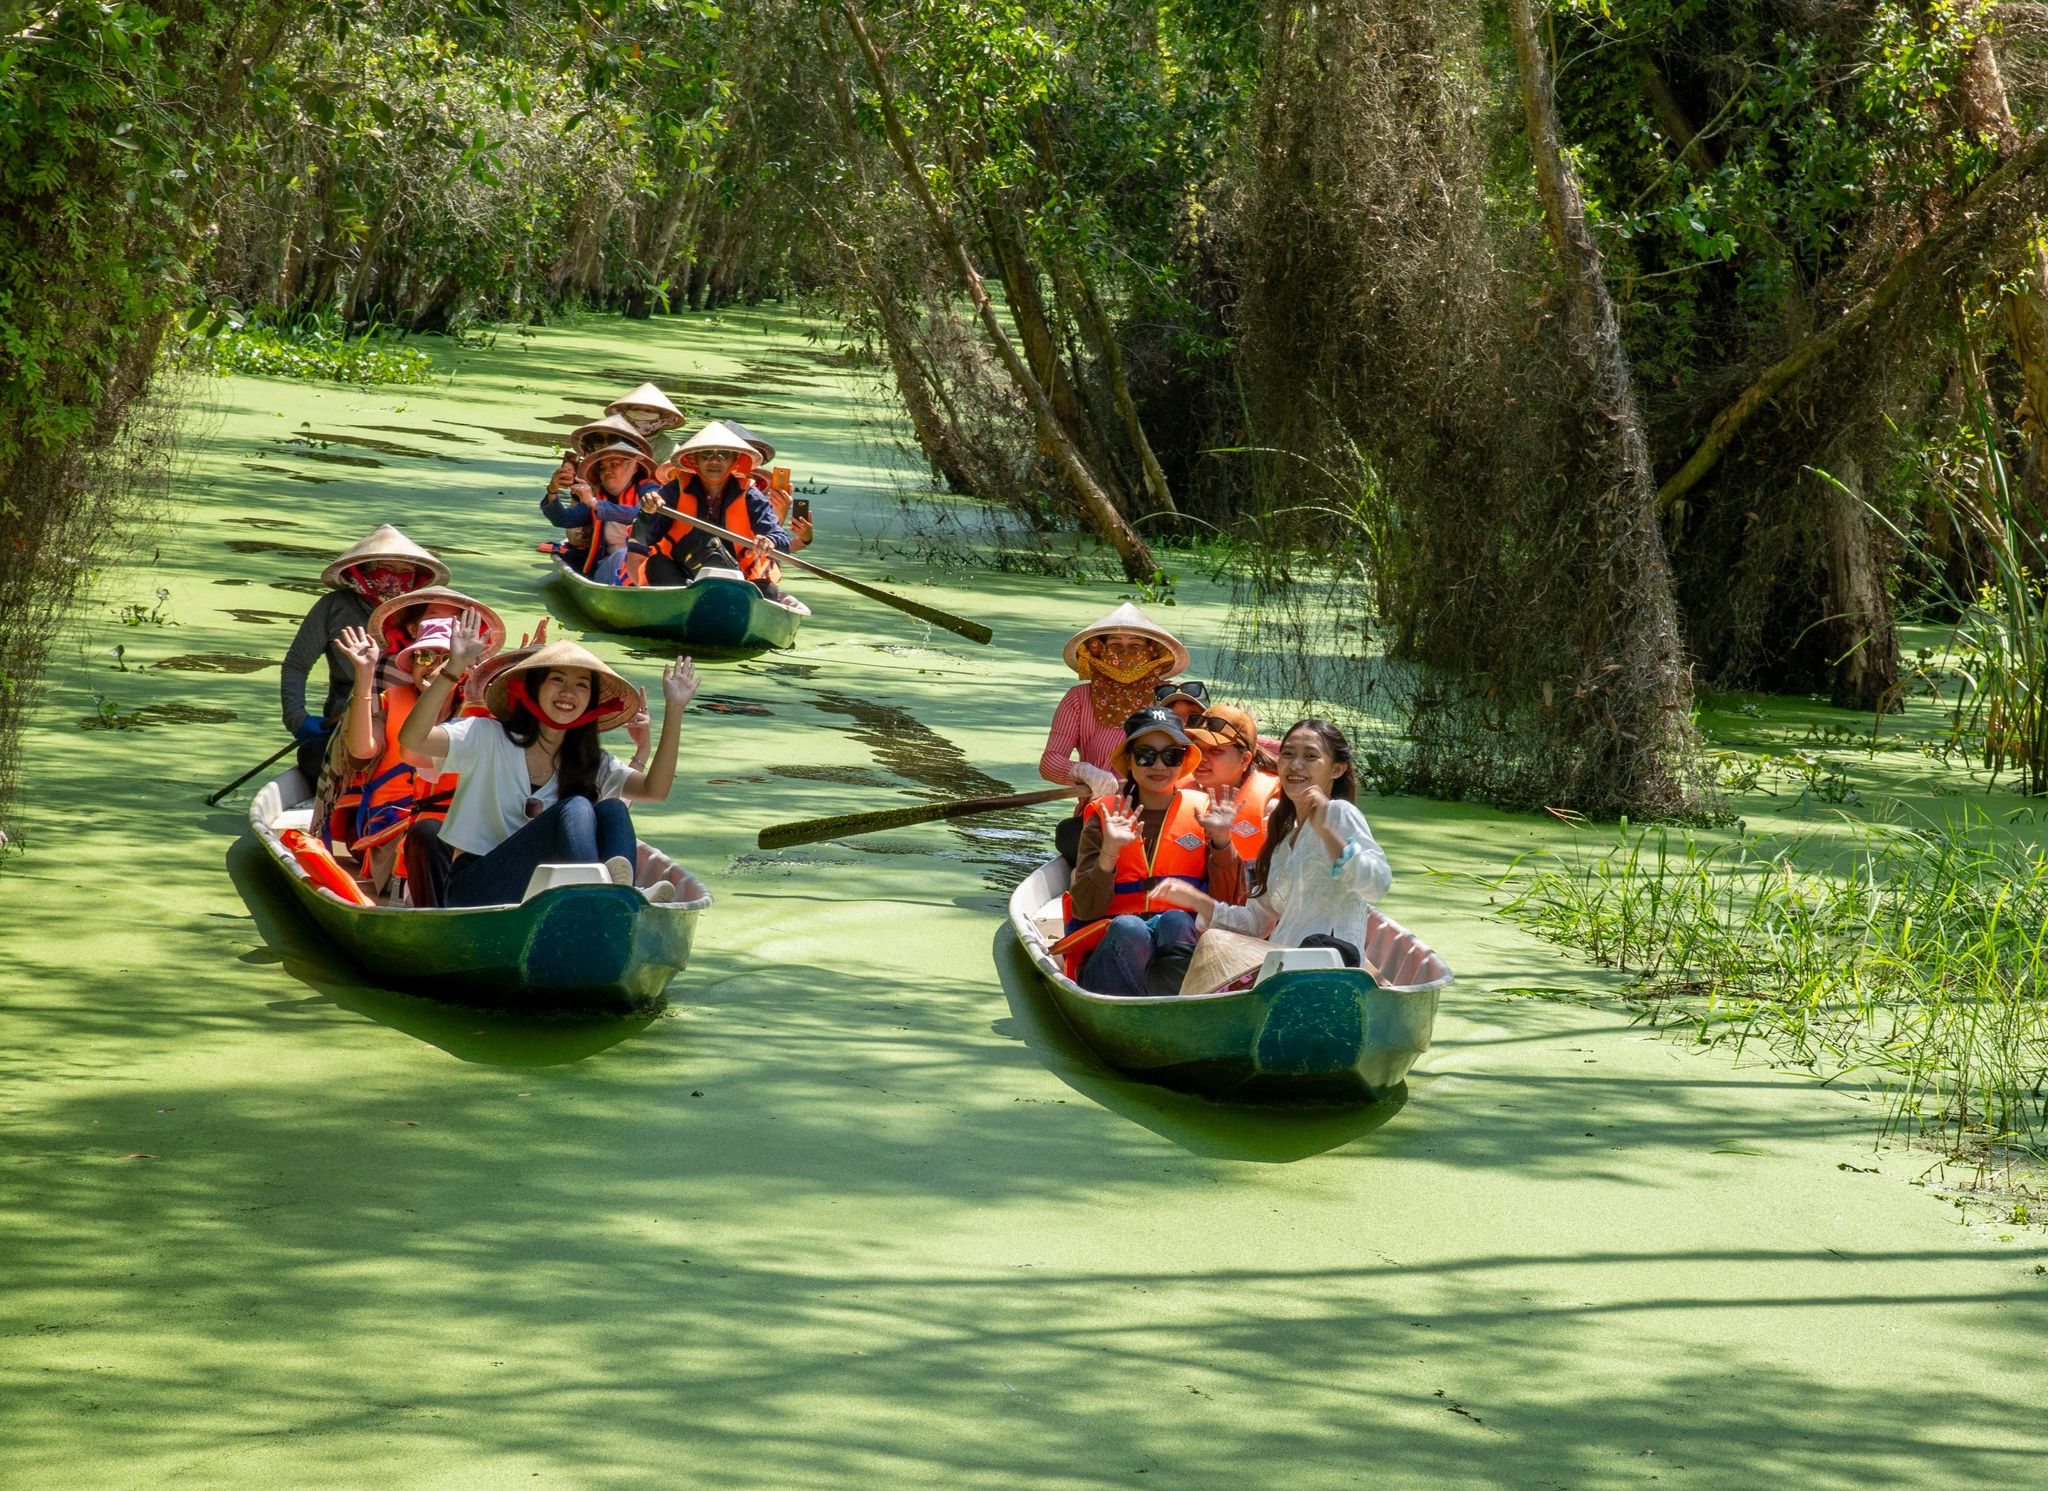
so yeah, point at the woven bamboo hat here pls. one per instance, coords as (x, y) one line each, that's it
(761, 447)
(608, 431)
(394, 622)
(647, 396)
(637, 454)
(392, 547)
(718, 436)
(617, 700)
(1127, 618)
(1222, 958)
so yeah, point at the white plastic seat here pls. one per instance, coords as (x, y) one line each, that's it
(1297, 960)
(547, 877)
(716, 572)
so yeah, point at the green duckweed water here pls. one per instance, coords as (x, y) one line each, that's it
(855, 1211)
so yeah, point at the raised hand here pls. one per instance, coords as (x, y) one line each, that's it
(1312, 805)
(1220, 814)
(800, 532)
(467, 646)
(1120, 830)
(564, 473)
(582, 492)
(540, 633)
(359, 647)
(678, 684)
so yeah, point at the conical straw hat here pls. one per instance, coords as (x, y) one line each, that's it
(1222, 958)
(719, 436)
(636, 453)
(647, 396)
(761, 447)
(1127, 618)
(607, 431)
(394, 620)
(389, 544)
(617, 699)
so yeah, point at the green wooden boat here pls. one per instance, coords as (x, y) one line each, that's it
(1306, 1035)
(575, 949)
(715, 611)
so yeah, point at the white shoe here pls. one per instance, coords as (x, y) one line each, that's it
(661, 893)
(620, 869)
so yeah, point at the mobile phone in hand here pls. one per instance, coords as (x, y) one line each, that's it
(800, 510)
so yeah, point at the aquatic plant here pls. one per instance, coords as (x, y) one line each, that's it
(1915, 960)
(315, 349)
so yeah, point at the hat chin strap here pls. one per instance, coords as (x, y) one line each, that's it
(517, 691)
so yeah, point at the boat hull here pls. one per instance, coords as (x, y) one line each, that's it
(576, 949)
(728, 614)
(1335, 1035)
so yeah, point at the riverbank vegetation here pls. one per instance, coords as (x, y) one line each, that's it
(1534, 365)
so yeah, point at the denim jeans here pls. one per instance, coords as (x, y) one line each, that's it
(572, 832)
(1141, 954)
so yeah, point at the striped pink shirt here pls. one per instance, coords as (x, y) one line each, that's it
(1074, 729)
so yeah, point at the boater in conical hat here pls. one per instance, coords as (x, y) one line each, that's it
(1222, 958)
(1126, 619)
(616, 700)
(612, 428)
(394, 623)
(643, 465)
(386, 549)
(648, 408)
(718, 436)
(760, 447)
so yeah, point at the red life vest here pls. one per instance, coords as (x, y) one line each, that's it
(690, 499)
(1248, 828)
(1181, 853)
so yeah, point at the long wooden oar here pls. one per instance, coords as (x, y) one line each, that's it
(289, 746)
(817, 830)
(973, 631)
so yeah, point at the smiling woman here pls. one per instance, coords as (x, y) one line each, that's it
(535, 787)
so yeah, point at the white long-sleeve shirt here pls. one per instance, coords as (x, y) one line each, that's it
(1309, 892)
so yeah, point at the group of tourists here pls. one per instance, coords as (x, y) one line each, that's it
(626, 491)
(451, 768)
(1193, 827)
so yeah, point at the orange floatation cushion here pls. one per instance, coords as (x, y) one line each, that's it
(321, 868)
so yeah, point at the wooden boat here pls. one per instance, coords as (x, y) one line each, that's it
(575, 949)
(712, 612)
(1320, 1035)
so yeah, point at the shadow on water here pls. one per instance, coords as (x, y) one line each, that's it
(305, 450)
(252, 617)
(157, 714)
(1225, 1131)
(286, 472)
(216, 662)
(293, 942)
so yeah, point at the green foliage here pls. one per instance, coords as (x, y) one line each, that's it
(316, 350)
(1919, 961)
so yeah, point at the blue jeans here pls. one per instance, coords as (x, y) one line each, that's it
(572, 832)
(1124, 961)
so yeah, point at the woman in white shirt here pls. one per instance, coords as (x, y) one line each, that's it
(1321, 870)
(535, 787)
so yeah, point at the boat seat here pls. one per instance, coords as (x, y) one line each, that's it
(299, 818)
(1051, 923)
(1297, 960)
(716, 572)
(547, 877)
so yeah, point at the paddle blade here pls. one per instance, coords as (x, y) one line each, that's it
(846, 825)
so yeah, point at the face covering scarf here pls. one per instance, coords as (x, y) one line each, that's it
(1122, 672)
(382, 582)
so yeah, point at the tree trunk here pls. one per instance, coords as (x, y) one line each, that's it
(1649, 698)
(1102, 334)
(1863, 641)
(1087, 490)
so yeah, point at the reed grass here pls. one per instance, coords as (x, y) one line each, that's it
(1915, 960)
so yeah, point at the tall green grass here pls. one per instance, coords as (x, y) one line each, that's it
(316, 348)
(1914, 961)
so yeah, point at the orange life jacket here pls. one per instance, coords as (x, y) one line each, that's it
(384, 801)
(1181, 853)
(736, 519)
(1248, 828)
(320, 867)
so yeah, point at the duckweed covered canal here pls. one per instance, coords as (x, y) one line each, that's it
(854, 1210)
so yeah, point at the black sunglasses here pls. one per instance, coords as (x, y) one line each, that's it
(1159, 755)
(1199, 692)
(1217, 726)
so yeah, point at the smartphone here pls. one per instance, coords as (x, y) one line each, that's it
(800, 510)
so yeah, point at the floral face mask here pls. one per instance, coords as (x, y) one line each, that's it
(1122, 672)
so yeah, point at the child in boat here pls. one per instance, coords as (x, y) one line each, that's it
(599, 509)
(1320, 871)
(713, 467)
(1121, 660)
(1149, 835)
(1239, 775)
(535, 785)
(648, 410)
(387, 791)
(385, 564)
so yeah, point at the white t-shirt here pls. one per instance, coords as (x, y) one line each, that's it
(490, 800)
